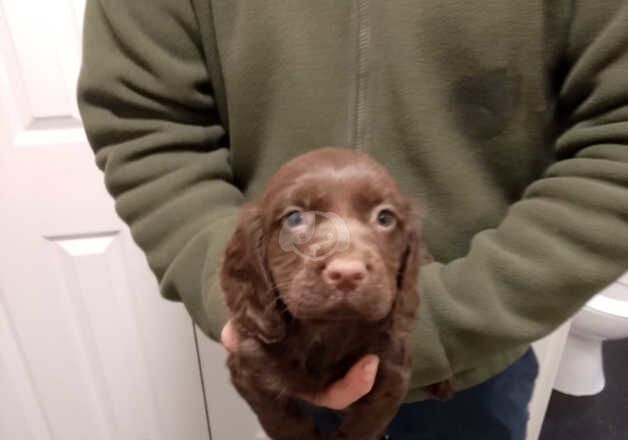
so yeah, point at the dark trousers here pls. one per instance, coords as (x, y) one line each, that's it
(493, 410)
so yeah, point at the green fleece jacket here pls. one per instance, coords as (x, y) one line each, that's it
(507, 119)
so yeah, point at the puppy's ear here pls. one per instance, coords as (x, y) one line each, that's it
(412, 257)
(246, 281)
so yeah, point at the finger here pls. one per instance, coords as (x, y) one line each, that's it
(229, 336)
(356, 383)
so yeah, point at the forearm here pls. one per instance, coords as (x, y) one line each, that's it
(145, 99)
(566, 238)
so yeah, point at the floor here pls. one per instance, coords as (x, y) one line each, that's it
(600, 417)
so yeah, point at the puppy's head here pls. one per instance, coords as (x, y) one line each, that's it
(331, 238)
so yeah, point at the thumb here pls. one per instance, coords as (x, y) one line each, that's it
(355, 384)
(229, 337)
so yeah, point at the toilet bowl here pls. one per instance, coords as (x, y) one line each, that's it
(605, 316)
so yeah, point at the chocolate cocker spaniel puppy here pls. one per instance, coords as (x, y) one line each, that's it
(321, 270)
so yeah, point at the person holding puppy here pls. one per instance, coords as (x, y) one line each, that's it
(509, 122)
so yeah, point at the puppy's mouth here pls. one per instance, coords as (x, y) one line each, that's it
(339, 307)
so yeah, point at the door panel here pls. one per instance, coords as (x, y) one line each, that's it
(20, 412)
(42, 52)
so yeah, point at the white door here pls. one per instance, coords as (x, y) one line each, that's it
(88, 349)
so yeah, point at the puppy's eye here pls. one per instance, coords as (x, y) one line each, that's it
(293, 218)
(385, 218)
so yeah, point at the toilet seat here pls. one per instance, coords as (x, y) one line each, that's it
(612, 301)
(608, 306)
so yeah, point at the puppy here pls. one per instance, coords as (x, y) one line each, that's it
(321, 270)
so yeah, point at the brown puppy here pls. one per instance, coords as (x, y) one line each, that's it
(321, 270)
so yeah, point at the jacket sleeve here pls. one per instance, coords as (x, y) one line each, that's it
(146, 102)
(565, 240)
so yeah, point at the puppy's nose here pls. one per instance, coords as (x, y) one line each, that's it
(344, 274)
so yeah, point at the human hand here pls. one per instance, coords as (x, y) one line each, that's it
(356, 383)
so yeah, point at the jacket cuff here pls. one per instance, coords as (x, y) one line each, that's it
(196, 270)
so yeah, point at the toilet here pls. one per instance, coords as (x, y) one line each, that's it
(605, 316)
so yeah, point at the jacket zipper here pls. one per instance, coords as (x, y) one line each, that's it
(362, 76)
